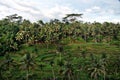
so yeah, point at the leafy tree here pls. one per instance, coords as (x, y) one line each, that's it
(72, 17)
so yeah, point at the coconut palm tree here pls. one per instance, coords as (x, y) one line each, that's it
(7, 66)
(96, 69)
(1, 70)
(27, 64)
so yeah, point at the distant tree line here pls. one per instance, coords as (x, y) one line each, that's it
(14, 31)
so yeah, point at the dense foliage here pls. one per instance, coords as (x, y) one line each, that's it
(50, 55)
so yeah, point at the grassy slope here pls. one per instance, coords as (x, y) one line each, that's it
(74, 50)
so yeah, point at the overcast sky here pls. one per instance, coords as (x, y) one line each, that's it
(93, 10)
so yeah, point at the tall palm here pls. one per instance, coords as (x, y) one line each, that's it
(1, 70)
(68, 71)
(7, 67)
(28, 63)
(96, 69)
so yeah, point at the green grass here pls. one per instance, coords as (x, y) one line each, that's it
(45, 55)
(74, 49)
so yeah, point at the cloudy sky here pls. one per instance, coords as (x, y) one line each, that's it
(93, 10)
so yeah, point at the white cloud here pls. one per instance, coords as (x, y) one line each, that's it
(97, 11)
(58, 11)
(96, 8)
(23, 8)
(116, 20)
(101, 19)
(33, 10)
(93, 9)
(85, 1)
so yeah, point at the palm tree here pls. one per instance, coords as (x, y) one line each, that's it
(96, 69)
(1, 70)
(114, 67)
(84, 30)
(40, 22)
(83, 53)
(28, 63)
(69, 71)
(97, 31)
(7, 66)
(104, 63)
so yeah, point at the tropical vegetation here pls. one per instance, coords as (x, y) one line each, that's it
(67, 49)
